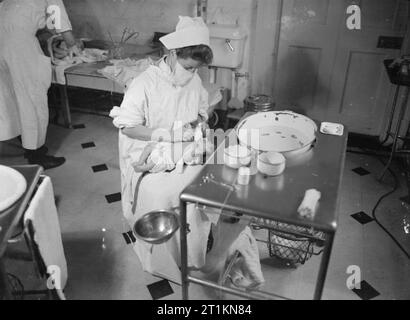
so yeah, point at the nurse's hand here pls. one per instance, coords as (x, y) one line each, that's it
(142, 165)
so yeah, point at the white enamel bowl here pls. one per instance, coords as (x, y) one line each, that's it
(237, 156)
(285, 132)
(271, 163)
(12, 186)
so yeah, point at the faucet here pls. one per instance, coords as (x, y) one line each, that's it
(228, 42)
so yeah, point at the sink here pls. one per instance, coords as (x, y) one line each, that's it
(12, 187)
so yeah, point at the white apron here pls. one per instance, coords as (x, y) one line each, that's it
(25, 73)
(143, 193)
(154, 102)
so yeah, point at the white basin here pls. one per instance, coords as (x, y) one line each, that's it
(285, 132)
(12, 186)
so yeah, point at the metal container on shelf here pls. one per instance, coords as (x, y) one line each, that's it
(259, 103)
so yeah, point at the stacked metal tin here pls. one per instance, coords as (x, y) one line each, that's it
(259, 103)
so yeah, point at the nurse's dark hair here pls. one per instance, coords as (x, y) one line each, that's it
(201, 53)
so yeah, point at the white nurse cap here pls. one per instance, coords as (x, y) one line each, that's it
(189, 32)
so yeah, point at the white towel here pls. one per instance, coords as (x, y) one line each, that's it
(42, 212)
(309, 205)
(247, 271)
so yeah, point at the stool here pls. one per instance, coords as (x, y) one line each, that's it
(399, 81)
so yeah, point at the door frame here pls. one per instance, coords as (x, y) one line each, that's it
(263, 81)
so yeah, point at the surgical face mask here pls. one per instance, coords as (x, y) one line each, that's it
(181, 76)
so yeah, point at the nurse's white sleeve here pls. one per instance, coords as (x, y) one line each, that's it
(204, 104)
(133, 107)
(62, 22)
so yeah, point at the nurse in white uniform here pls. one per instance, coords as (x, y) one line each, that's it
(25, 73)
(168, 92)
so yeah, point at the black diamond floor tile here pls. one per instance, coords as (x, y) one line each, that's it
(366, 291)
(88, 145)
(361, 171)
(99, 168)
(115, 197)
(362, 217)
(160, 289)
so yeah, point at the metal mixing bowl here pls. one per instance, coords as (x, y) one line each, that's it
(157, 227)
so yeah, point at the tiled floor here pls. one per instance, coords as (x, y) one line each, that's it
(103, 265)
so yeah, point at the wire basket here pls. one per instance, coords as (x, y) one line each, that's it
(291, 248)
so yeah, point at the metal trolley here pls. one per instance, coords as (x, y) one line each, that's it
(273, 206)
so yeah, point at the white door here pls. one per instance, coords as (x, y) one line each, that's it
(332, 73)
(361, 93)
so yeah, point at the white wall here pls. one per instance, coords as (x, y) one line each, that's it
(94, 18)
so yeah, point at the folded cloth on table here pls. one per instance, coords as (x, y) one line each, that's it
(125, 70)
(90, 55)
(42, 213)
(86, 56)
(309, 204)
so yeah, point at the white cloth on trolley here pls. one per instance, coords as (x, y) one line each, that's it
(42, 213)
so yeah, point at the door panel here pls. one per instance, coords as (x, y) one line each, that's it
(360, 89)
(303, 83)
(306, 55)
(359, 98)
(332, 73)
(379, 14)
(314, 11)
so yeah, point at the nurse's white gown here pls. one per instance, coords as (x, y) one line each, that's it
(25, 72)
(152, 100)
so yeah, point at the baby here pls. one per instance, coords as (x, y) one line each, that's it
(166, 156)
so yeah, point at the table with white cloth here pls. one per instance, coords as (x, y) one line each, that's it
(87, 76)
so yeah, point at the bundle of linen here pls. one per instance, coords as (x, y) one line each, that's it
(125, 70)
(86, 56)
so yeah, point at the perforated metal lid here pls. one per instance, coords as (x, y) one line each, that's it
(259, 102)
